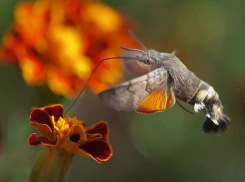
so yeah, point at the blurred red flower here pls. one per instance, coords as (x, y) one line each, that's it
(59, 42)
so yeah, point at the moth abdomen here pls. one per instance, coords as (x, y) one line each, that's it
(207, 100)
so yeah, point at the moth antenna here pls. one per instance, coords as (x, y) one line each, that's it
(135, 38)
(184, 108)
(132, 49)
(91, 77)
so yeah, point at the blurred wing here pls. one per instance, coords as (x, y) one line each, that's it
(146, 94)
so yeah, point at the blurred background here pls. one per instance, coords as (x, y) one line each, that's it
(169, 146)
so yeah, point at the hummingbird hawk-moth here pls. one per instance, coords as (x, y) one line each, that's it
(156, 91)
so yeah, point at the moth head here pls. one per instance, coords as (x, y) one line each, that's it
(143, 59)
(148, 58)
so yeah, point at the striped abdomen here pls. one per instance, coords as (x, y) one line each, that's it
(207, 99)
(189, 88)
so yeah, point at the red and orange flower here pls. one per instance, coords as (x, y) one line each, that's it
(69, 134)
(59, 42)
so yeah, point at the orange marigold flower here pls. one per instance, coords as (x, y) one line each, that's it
(59, 42)
(69, 134)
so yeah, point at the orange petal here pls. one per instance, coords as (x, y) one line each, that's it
(95, 136)
(81, 152)
(44, 130)
(78, 130)
(77, 136)
(33, 69)
(101, 128)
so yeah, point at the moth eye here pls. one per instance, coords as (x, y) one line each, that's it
(147, 62)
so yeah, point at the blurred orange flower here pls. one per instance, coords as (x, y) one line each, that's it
(69, 134)
(59, 42)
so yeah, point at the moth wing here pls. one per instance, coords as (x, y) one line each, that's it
(157, 101)
(146, 94)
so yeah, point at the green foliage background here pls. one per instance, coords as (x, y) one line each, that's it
(169, 146)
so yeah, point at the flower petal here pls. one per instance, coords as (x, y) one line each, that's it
(76, 136)
(101, 128)
(33, 140)
(33, 69)
(41, 117)
(44, 130)
(56, 110)
(78, 130)
(99, 150)
(50, 142)
(78, 151)
(95, 136)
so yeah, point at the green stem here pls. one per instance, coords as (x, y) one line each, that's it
(64, 172)
(51, 166)
(39, 164)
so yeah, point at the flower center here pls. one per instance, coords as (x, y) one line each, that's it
(61, 127)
